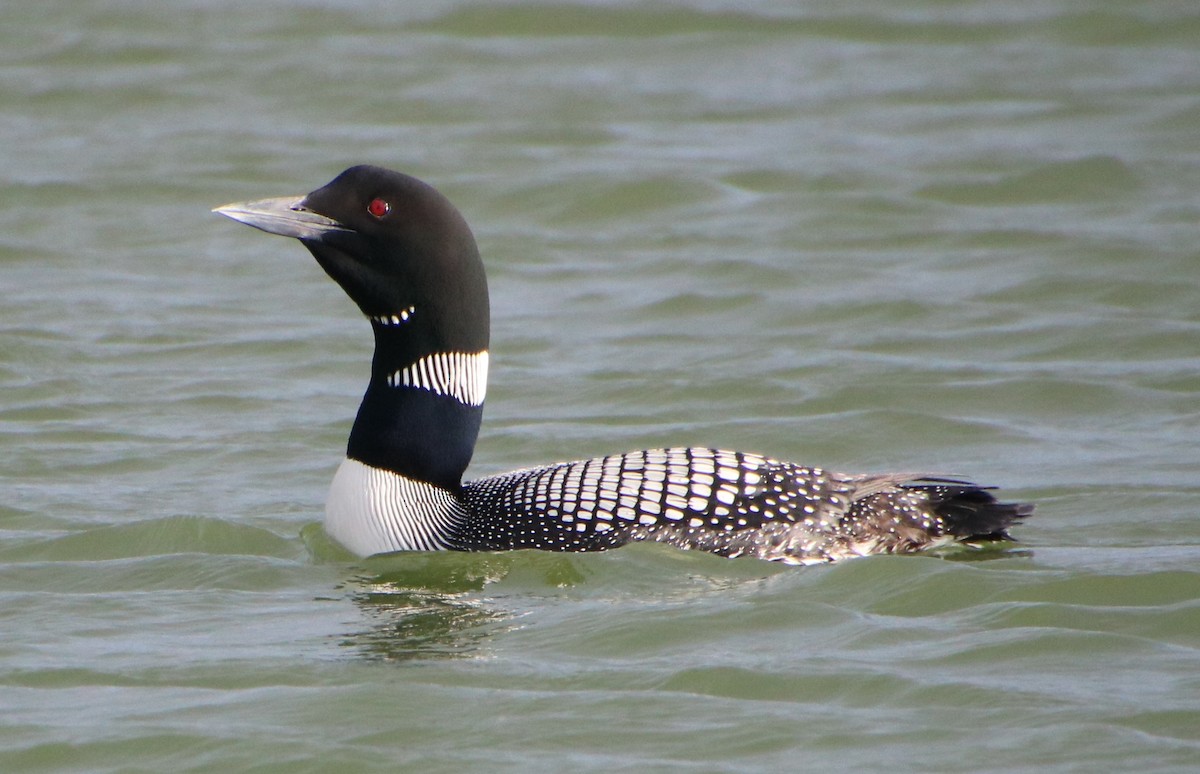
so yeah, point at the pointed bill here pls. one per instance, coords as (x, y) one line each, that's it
(285, 215)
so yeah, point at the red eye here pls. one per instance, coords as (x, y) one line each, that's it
(378, 207)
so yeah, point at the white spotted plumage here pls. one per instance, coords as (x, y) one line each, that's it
(727, 503)
(672, 495)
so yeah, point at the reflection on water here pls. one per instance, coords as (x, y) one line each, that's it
(426, 605)
(982, 552)
(448, 605)
(408, 625)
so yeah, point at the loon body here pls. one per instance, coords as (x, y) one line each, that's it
(407, 258)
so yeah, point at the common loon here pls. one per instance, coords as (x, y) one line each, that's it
(407, 258)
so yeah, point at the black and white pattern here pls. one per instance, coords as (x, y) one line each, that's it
(729, 503)
(459, 375)
(375, 511)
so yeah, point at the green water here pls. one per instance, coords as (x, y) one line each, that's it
(955, 237)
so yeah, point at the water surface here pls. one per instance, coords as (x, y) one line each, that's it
(914, 236)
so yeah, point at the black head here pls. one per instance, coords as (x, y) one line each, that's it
(405, 255)
(393, 243)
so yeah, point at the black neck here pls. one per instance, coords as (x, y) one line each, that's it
(415, 272)
(416, 432)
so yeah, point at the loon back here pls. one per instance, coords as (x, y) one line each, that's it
(407, 258)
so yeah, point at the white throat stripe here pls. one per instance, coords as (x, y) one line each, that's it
(459, 375)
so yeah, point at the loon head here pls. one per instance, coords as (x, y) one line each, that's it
(401, 251)
(407, 258)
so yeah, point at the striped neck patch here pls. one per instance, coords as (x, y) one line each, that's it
(459, 375)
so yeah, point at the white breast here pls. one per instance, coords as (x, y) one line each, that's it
(374, 511)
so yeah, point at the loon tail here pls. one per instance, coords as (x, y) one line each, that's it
(969, 512)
